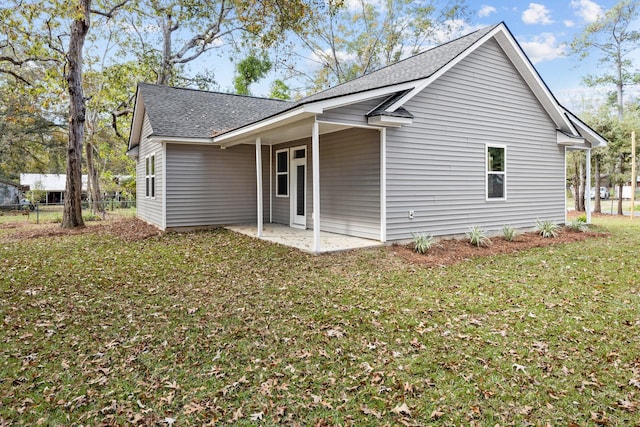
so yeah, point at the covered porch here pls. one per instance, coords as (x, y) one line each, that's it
(333, 192)
(304, 239)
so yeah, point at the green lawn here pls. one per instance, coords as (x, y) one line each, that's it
(214, 327)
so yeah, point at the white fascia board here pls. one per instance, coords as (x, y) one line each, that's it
(180, 140)
(584, 130)
(133, 152)
(389, 121)
(568, 140)
(226, 140)
(341, 101)
(137, 121)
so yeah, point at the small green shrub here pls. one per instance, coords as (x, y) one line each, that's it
(57, 219)
(582, 218)
(509, 233)
(422, 242)
(91, 217)
(477, 237)
(547, 228)
(578, 225)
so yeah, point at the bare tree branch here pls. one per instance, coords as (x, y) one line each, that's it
(113, 10)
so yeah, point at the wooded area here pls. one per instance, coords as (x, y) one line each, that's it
(68, 70)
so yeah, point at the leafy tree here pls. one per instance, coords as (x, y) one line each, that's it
(279, 90)
(53, 33)
(31, 138)
(250, 70)
(612, 37)
(350, 39)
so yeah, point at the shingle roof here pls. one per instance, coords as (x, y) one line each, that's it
(416, 67)
(189, 113)
(176, 112)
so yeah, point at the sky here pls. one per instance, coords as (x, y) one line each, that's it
(544, 29)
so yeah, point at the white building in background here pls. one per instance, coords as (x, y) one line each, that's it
(53, 184)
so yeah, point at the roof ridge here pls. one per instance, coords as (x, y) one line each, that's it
(214, 92)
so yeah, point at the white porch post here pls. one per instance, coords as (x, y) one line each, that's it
(383, 185)
(587, 191)
(315, 154)
(259, 183)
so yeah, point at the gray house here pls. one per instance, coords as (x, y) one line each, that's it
(464, 134)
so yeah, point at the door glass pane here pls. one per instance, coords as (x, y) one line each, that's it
(299, 154)
(300, 190)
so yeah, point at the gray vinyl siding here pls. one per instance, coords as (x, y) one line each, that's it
(436, 165)
(149, 209)
(210, 186)
(350, 183)
(352, 114)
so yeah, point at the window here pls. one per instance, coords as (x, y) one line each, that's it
(282, 173)
(150, 176)
(496, 172)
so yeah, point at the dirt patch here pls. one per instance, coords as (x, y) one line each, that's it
(453, 251)
(128, 229)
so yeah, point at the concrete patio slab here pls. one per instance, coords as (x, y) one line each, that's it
(303, 239)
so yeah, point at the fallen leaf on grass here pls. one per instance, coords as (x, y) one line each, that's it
(368, 411)
(256, 416)
(627, 405)
(436, 414)
(402, 409)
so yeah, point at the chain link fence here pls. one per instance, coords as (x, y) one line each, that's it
(42, 213)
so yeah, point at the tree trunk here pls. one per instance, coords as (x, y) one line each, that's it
(97, 204)
(620, 199)
(165, 67)
(72, 214)
(597, 208)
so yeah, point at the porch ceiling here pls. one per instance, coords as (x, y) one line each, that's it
(293, 131)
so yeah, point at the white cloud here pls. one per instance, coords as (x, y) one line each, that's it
(544, 48)
(536, 14)
(569, 23)
(586, 9)
(486, 11)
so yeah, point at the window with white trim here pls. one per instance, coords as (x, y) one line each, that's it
(150, 176)
(282, 173)
(496, 172)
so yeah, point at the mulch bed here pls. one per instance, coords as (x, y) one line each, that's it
(454, 251)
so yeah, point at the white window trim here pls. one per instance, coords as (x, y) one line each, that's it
(487, 172)
(153, 177)
(150, 176)
(147, 177)
(283, 150)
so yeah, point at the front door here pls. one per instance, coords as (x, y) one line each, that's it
(299, 187)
